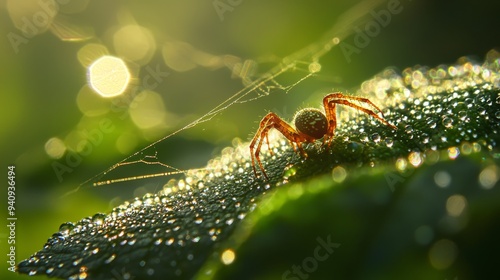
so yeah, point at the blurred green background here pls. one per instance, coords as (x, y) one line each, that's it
(44, 95)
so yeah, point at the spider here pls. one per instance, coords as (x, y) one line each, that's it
(310, 125)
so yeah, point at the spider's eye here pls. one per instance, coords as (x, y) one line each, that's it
(311, 122)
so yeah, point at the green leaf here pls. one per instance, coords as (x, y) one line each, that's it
(372, 192)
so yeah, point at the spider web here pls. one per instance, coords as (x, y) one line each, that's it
(305, 61)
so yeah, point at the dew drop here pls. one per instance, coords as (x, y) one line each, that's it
(98, 219)
(415, 159)
(389, 142)
(77, 262)
(110, 259)
(66, 228)
(447, 122)
(466, 148)
(363, 137)
(82, 276)
(164, 199)
(462, 115)
(431, 123)
(375, 137)
(481, 110)
(453, 152)
(425, 138)
(158, 241)
(339, 174)
(497, 114)
(49, 270)
(401, 164)
(137, 202)
(148, 199)
(290, 171)
(198, 221)
(409, 130)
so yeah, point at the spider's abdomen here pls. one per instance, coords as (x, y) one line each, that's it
(311, 122)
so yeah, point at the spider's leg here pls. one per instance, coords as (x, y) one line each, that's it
(301, 150)
(272, 120)
(252, 154)
(268, 146)
(331, 117)
(257, 139)
(339, 95)
(257, 153)
(340, 98)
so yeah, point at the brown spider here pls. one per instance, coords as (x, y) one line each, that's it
(310, 125)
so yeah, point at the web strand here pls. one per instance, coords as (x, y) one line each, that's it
(262, 86)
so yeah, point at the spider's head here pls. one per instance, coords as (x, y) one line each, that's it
(311, 122)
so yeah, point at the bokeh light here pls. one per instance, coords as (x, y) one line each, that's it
(455, 205)
(339, 174)
(228, 257)
(134, 43)
(489, 177)
(32, 17)
(89, 103)
(55, 148)
(442, 179)
(108, 76)
(178, 56)
(147, 110)
(90, 53)
(127, 43)
(443, 253)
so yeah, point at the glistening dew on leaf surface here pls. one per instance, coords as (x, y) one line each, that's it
(188, 228)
